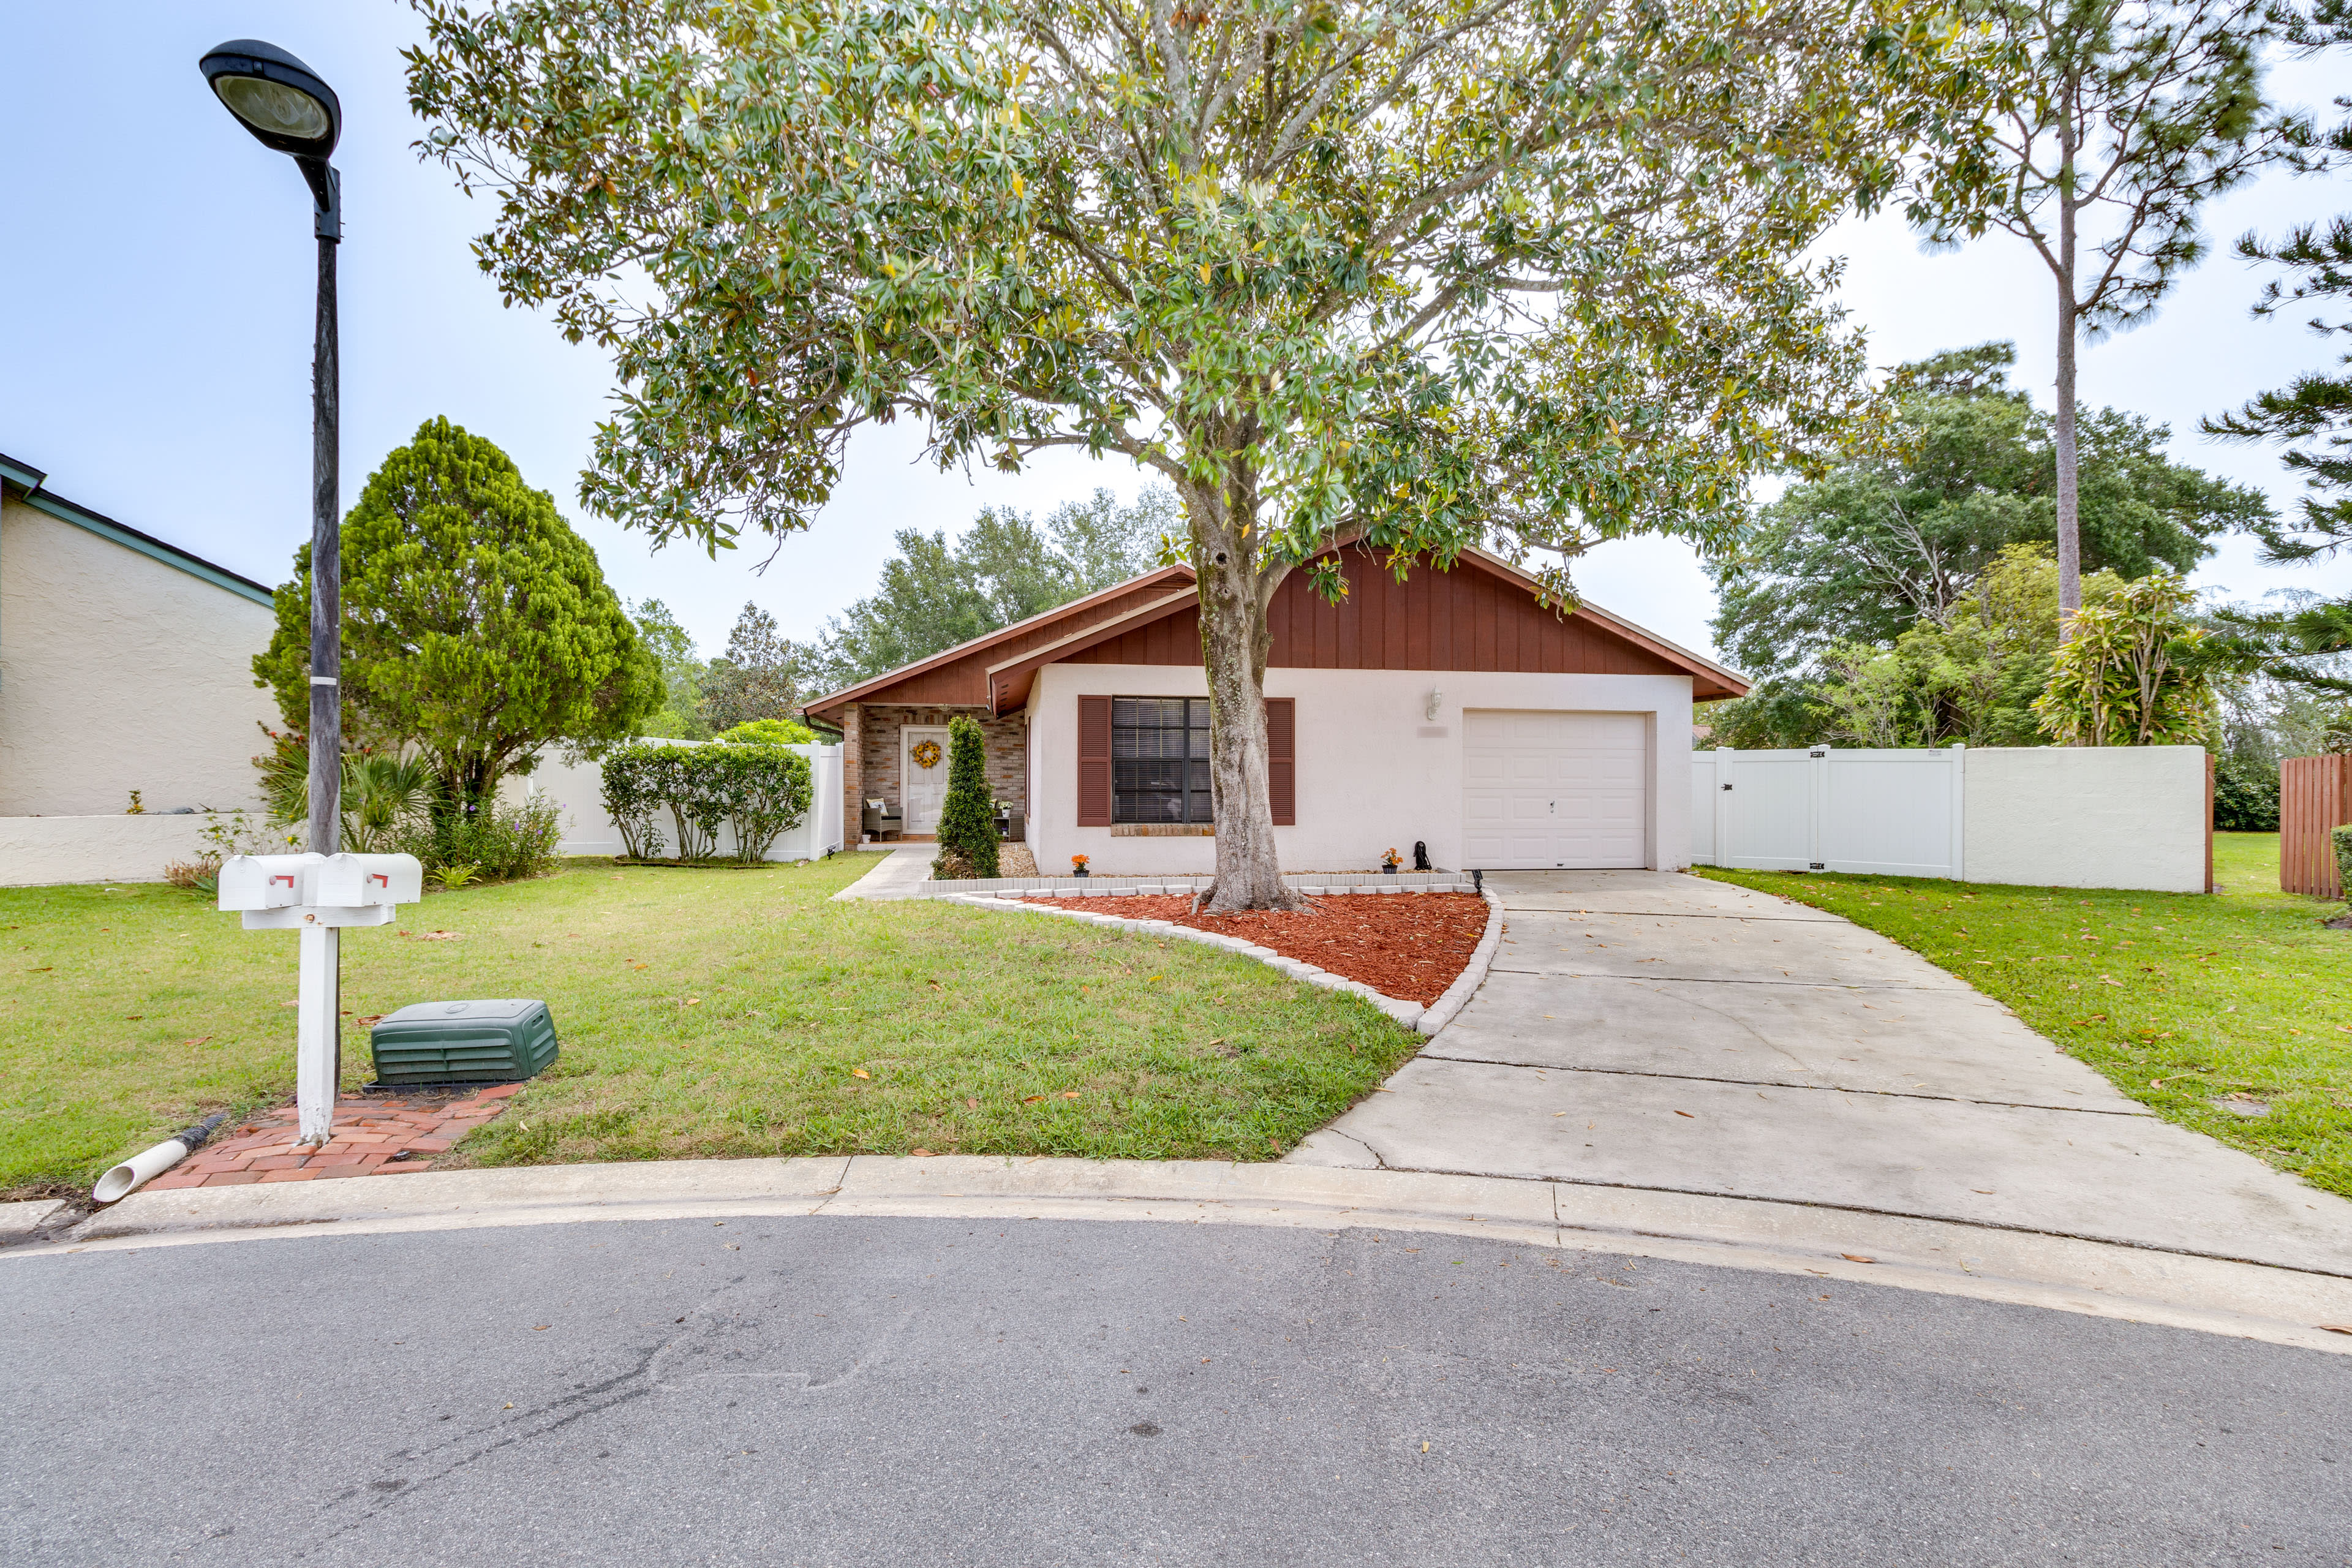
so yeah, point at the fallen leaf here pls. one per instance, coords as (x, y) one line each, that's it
(1031, 1099)
(972, 1103)
(859, 1072)
(919, 1153)
(1150, 978)
(296, 1003)
(199, 1040)
(1558, 1113)
(1424, 1448)
(2337, 1328)
(1856, 1257)
(134, 1017)
(1069, 1094)
(694, 1001)
(537, 1328)
(370, 1022)
(1686, 1114)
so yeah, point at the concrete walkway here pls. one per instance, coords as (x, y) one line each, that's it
(1659, 1032)
(897, 876)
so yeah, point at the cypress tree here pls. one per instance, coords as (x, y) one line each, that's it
(968, 819)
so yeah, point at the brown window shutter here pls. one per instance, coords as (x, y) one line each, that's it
(1282, 759)
(1094, 762)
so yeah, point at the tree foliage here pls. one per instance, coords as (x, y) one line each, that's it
(2108, 126)
(757, 677)
(2131, 674)
(1898, 537)
(1428, 271)
(477, 625)
(2312, 417)
(936, 592)
(682, 668)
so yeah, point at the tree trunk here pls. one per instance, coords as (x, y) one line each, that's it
(1235, 642)
(2070, 534)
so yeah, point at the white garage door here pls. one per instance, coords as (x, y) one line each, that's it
(1541, 791)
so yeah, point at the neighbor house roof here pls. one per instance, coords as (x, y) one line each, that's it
(28, 481)
(996, 671)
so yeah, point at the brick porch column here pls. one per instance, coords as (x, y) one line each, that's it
(853, 777)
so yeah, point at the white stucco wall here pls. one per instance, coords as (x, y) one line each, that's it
(36, 851)
(119, 672)
(2087, 816)
(1368, 777)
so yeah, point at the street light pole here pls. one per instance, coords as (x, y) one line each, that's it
(326, 531)
(288, 108)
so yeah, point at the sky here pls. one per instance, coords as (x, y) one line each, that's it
(157, 275)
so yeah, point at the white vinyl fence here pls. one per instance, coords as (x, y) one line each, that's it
(2060, 817)
(578, 793)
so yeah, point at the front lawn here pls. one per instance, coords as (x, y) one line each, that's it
(701, 1013)
(2181, 999)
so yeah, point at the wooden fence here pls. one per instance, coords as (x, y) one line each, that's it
(2314, 795)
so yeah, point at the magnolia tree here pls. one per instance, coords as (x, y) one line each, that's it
(1424, 273)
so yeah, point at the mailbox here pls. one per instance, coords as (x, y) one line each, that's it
(266, 881)
(357, 881)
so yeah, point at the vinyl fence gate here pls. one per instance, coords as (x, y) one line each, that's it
(1881, 813)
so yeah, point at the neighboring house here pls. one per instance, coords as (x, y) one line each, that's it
(125, 664)
(1453, 708)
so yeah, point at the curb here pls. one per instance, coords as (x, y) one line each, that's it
(1428, 1019)
(2278, 1306)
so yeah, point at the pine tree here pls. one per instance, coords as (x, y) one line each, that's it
(968, 820)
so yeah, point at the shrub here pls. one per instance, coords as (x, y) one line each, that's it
(2246, 796)
(769, 732)
(2342, 838)
(497, 842)
(633, 793)
(967, 820)
(767, 791)
(761, 791)
(2128, 675)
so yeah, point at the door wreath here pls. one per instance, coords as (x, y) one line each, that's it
(926, 754)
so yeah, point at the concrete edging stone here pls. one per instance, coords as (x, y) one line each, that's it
(1427, 1020)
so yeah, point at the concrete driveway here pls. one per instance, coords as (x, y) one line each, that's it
(1657, 1031)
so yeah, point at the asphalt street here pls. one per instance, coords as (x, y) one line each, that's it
(837, 1391)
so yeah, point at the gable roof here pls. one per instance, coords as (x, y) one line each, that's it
(28, 481)
(1152, 619)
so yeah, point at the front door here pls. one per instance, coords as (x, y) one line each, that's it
(924, 789)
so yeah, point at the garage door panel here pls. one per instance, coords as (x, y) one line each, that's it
(1544, 790)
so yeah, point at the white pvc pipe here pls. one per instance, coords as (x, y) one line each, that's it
(129, 1177)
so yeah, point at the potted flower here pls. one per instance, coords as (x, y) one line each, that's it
(1390, 860)
(1077, 865)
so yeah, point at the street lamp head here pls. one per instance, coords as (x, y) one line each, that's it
(278, 98)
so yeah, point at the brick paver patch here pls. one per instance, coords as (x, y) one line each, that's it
(374, 1135)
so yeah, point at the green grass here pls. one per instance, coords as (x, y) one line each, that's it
(2178, 998)
(701, 1014)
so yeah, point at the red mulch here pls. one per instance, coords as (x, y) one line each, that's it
(1406, 945)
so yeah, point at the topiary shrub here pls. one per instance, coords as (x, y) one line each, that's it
(968, 819)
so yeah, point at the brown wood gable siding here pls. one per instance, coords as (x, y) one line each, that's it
(964, 682)
(1467, 618)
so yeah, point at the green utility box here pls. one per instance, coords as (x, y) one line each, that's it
(464, 1042)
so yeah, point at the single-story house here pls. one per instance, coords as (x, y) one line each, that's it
(1454, 709)
(126, 664)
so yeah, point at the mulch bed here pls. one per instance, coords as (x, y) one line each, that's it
(379, 1134)
(1410, 946)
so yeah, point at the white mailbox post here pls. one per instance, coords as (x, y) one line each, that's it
(318, 895)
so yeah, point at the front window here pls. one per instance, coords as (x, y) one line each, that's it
(1159, 759)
